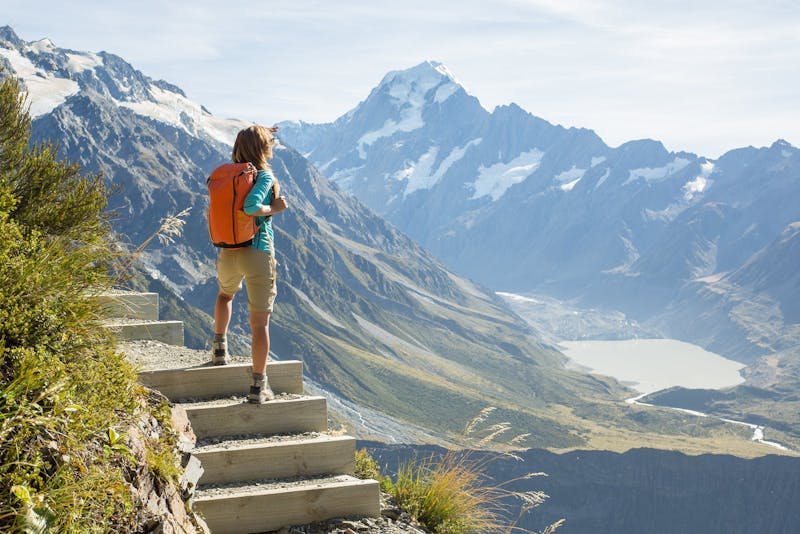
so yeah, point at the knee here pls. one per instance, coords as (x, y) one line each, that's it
(259, 319)
(222, 297)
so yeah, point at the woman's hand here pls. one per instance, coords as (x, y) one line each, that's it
(278, 204)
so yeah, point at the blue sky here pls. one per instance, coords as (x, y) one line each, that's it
(702, 76)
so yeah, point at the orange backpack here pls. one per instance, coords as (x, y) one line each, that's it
(228, 224)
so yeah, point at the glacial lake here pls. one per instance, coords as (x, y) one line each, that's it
(649, 365)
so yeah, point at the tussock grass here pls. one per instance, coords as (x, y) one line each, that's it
(452, 494)
(169, 228)
(448, 495)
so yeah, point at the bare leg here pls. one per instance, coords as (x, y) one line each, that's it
(259, 326)
(222, 313)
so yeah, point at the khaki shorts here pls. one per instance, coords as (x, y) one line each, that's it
(256, 268)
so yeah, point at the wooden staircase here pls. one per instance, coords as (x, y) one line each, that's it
(264, 466)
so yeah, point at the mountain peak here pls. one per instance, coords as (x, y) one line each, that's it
(8, 34)
(782, 144)
(411, 85)
(423, 73)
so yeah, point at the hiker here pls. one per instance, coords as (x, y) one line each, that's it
(254, 262)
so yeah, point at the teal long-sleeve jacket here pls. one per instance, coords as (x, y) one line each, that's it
(261, 195)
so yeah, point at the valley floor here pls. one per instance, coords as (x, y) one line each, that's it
(756, 407)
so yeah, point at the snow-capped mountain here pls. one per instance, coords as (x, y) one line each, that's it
(420, 132)
(51, 75)
(523, 205)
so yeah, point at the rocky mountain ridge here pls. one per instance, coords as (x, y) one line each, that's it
(525, 206)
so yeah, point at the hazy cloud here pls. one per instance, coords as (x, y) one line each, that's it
(702, 76)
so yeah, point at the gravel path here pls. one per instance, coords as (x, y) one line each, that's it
(237, 441)
(148, 355)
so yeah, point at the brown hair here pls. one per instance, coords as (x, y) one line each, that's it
(254, 144)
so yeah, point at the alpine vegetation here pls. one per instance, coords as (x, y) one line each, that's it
(68, 400)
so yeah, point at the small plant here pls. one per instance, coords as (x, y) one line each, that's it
(162, 457)
(115, 443)
(452, 494)
(368, 468)
(37, 516)
(170, 228)
(163, 463)
(449, 496)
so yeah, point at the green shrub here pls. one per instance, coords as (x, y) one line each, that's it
(63, 387)
(366, 466)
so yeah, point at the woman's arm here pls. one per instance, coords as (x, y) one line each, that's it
(259, 199)
(264, 210)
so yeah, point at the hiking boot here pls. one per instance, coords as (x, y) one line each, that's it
(260, 392)
(219, 354)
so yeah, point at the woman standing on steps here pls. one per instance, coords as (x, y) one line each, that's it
(255, 264)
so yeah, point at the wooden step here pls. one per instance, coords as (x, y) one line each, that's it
(269, 458)
(209, 381)
(170, 332)
(258, 508)
(129, 305)
(237, 417)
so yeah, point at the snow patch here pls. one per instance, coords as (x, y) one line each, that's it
(344, 178)
(80, 62)
(419, 174)
(699, 184)
(45, 91)
(691, 191)
(324, 165)
(444, 92)
(42, 46)
(597, 160)
(696, 186)
(518, 298)
(494, 181)
(568, 179)
(650, 174)
(411, 119)
(177, 110)
(603, 178)
(670, 213)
